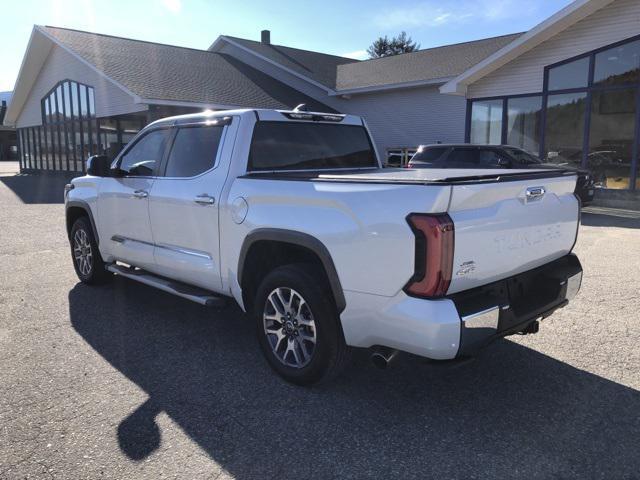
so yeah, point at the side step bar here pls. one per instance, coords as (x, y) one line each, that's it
(179, 289)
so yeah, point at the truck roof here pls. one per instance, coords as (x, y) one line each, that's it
(261, 114)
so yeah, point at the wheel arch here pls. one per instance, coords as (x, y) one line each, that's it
(298, 243)
(76, 209)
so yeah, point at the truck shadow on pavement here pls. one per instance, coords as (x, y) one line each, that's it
(513, 412)
(38, 188)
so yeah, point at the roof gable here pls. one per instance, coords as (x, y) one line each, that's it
(320, 68)
(153, 71)
(553, 25)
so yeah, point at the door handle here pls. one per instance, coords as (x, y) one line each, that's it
(140, 194)
(204, 199)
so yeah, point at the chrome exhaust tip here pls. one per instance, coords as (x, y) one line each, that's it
(381, 357)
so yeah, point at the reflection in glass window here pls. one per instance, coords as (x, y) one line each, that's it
(569, 75)
(83, 101)
(74, 99)
(67, 100)
(486, 122)
(564, 129)
(60, 102)
(92, 104)
(618, 65)
(611, 137)
(523, 123)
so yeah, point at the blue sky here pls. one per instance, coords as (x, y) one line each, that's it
(338, 27)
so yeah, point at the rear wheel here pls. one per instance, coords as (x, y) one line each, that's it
(298, 326)
(86, 257)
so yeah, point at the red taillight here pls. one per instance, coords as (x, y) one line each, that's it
(434, 254)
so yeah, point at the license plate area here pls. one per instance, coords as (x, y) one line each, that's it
(522, 297)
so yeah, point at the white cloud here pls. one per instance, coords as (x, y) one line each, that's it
(174, 6)
(432, 14)
(357, 55)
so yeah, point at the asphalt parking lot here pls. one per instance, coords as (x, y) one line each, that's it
(123, 381)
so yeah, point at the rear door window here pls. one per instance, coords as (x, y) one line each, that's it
(309, 146)
(194, 151)
(463, 158)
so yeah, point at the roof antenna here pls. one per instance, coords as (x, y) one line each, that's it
(301, 108)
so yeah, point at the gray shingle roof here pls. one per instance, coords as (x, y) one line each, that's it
(423, 65)
(165, 72)
(320, 67)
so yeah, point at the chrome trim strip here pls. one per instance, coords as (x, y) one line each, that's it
(573, 286)
(484, 319)
(185, 251)
(172, 248)
(121, 239)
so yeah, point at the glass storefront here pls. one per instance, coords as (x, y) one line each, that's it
(70, 131)
(611, 136)
(587, 115)
(565, 128)
(523, 122)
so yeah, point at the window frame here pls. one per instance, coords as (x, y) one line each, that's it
(165, 161)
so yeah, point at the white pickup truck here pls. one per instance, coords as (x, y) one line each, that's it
(290, 214)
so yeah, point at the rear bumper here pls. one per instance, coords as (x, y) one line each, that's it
(463, 323)
(510, 305)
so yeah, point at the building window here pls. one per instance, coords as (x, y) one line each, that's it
(486, 122)
(618, 66)
(565, 128)
(611, 137)
(569, 75)
(523, 123)
(65, 109)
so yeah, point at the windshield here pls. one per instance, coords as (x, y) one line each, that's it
(310, 146)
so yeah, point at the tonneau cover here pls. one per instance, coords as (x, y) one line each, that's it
(424, 176)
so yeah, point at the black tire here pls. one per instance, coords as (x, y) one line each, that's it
(85, 255)
(330, 353)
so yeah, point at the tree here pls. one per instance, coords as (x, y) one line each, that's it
(383, 47)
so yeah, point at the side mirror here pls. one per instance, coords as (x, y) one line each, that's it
(98, 166)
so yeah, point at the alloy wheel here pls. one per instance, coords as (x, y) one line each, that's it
(290, 327)
(82, 252)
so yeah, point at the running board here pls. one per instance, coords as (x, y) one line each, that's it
(195, 294)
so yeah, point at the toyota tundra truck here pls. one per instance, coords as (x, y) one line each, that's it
(290, 214)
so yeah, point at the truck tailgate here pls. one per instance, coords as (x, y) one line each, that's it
(505, 228)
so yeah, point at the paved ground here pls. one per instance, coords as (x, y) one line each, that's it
(123, 381)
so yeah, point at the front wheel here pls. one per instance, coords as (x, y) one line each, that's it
(298, 326)
(86, 257)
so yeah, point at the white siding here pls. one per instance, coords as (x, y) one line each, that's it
(410, 117)
(615, 22)
(397, 118)
(61, 65)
